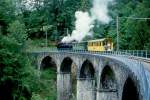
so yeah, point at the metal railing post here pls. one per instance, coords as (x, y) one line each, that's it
(146, 54)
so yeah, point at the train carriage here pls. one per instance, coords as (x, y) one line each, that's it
(104, 44)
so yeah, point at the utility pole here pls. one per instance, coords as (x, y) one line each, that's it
(45, 28)
(117, 30)
(67, 32)
(46, 39)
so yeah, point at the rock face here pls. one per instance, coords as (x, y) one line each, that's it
(99, 77)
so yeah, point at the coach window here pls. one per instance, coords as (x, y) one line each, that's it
(89, 44)
(103, 43)
(97, 43)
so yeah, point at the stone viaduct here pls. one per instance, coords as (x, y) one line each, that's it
(98, 77)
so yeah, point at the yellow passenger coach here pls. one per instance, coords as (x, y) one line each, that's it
(104, 44)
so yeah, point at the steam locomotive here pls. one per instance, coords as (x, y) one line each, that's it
(64, 46)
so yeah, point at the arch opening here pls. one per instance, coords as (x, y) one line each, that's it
(48, 63)
(48, 77)
(130, 91)
(87, 70)
(107, 80)
(87, 82)
(68, 70)
(66, 65)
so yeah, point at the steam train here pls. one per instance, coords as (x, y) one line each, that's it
(104, 44)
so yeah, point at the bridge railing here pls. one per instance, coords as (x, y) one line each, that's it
(131, 53)
(138, 53)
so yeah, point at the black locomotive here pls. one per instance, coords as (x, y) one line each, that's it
(64, 46)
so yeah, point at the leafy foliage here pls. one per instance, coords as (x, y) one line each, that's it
(17, 30)
(12, 70)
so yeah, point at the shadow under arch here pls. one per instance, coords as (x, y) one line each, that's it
(107, 89)
(66, 65)
(87, 82)
(130, 91)
(48, 62)
(68, 72)
(107, 79)
(87, 70)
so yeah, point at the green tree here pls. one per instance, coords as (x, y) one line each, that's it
(7, 14)
(17, 30)
(13, 70)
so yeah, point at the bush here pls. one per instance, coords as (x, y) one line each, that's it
(17, 30)
(14, 67)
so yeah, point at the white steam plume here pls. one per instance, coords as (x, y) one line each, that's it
(83, 25)
(84, 22)
(100, 11)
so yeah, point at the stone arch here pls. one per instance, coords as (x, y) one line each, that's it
(87, 70)
(87, 82)
(48, 62)
(130, 90)
(68, 73)
(66, 65)
(107, 79)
